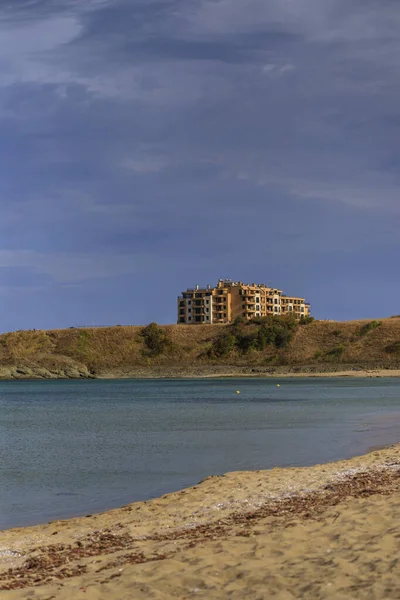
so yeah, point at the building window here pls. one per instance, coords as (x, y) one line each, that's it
(207, 302)
(181, 311)
(182, 320)
(189, 303)
(189, 310)
(190, 318)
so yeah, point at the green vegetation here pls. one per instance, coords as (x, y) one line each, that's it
(306, 320)
(334, 353)
(271, 341)
(393, 348)
(223, 345)
(155, 339)
(257, 334)
(369, 327)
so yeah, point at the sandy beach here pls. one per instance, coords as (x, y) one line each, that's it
(235, 371)
(328, 531)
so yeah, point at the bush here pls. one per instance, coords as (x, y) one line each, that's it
(264, 331)
(258, 321)
(265, 337)
(369, 327)
(246, 341)
(306, 320)
(155, 339)
(223, 345)
(335, 352)
(282, 337)
(239, 321)
(393, 348)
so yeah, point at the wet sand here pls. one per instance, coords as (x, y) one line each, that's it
(329, 531)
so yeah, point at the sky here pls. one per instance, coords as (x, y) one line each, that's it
(150, 145)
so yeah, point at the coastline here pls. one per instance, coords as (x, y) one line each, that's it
(238, 372)
(200, 372)
(294, 530)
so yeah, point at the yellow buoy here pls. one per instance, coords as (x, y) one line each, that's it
(238, 391)
(278, 385)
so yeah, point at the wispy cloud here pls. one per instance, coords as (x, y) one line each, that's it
(131, 130)
(67, 268)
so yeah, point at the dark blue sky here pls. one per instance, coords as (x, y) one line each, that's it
(149, 145)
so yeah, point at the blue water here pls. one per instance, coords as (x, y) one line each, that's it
(70, 448)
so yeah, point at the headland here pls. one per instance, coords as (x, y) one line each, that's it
(258, 349)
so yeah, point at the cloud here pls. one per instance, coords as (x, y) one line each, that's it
(131, 130)
(72, 267)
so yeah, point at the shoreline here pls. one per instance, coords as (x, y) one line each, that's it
(284, 374)
(209, 372)
(213, 522)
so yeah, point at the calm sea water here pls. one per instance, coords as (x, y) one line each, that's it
(69, 448)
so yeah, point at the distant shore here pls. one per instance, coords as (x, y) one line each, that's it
(318, 349)
(14, 373)
(311, 532)
(232, 372)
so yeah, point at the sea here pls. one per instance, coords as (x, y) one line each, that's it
(70, 448)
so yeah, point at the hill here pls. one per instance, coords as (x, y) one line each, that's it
(267, 346)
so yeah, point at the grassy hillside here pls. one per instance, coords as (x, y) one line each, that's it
(265, 345)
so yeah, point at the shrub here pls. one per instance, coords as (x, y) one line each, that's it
(335, 352)
(245, 341)
(306, 320)
(155, 339)
(239, 321)
(223, 345)
(258, 321)
(282, 337)
(393, 348)
(265, 337)
(369, 327)
(268, 331)
(317, 354)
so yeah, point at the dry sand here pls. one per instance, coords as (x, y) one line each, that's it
(329, 531)
(212, 372)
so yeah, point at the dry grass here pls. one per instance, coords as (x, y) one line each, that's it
(105, 349)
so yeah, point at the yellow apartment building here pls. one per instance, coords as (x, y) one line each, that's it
(232, 299)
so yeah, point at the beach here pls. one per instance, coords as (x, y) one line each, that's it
(217, 372)
(328, 531)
